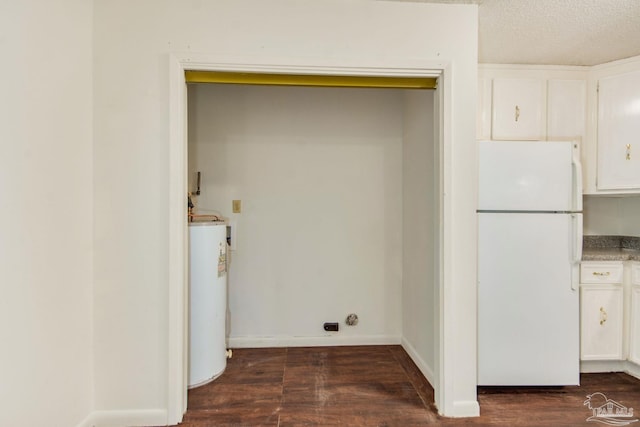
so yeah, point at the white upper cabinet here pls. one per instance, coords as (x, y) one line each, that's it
(618, 155)
(518, 109)
(529, 104)
(598, 106)
(566, 109)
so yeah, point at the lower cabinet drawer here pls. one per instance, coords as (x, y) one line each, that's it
(601, 272)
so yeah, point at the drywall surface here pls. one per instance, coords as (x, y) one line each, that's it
(319, 174)
(421, 219)
(132, 46)
(46, 214)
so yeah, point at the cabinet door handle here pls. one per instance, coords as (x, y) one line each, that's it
(598, 273)
(628, 151)
(517, 113)
(603, 316)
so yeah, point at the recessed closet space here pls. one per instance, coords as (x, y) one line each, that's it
(339, 192)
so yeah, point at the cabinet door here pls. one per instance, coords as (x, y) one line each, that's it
(601, 322)
(566, 109)
(619, 132)
(518, 109)
(635, 273)
(634, 332)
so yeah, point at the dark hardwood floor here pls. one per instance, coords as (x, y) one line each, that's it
(375, 386)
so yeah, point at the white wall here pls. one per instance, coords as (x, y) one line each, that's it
(319, 173)
(132, 42)
(46, 213)
(421, 204)
(617, 216)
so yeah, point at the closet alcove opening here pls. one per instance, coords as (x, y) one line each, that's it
(339, 179)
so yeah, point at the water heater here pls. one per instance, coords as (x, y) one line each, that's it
(207, 301)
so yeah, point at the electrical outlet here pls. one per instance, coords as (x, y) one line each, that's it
(331, 326)
(236, 206)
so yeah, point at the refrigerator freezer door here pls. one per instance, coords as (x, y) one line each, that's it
(528, 315)
(526, 176)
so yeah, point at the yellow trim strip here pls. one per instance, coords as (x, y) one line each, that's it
(310, 80)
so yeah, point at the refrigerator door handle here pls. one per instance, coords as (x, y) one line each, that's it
(576, 219)
(577, 187)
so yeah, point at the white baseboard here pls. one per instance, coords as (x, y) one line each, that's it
(464, 409)
(128, 418)
(318, 341)
(459, 409)
(633, 369)
(426, 370)
(603, 366)
(598, 366)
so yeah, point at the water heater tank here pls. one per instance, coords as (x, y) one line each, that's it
(207, 301)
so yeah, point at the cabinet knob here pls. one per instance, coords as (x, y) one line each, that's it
(628, 151)
(517, 113)
(603, 316)
(599, 273)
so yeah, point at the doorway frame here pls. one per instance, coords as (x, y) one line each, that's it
(177, 360)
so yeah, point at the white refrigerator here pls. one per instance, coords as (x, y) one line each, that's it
(529, 250)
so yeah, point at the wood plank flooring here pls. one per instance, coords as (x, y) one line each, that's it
(375, 386)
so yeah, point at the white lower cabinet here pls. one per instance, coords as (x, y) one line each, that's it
(634, 329)
(610, 311)
(601, 310)
(635, 273)
(601, 321)
(634, 316)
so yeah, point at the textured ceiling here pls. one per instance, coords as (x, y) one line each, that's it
(562, 32)
(558, 32)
